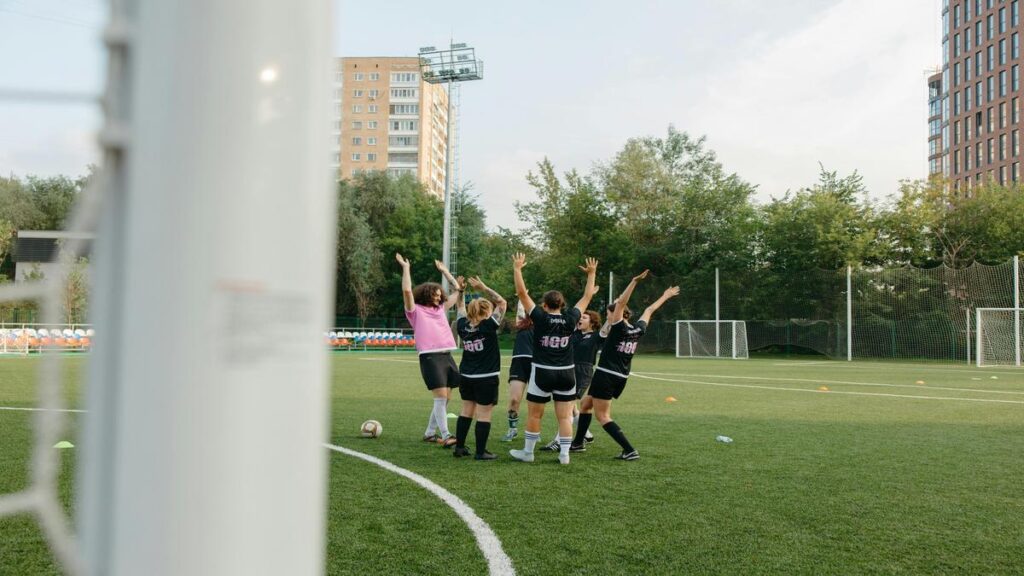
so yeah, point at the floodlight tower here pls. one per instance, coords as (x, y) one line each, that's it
(457, 64)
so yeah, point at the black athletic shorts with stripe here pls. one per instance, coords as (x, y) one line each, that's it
(584, 374)
(439, 370)
(520, 369)
(606, 385)
(483, 391)
(548, 383)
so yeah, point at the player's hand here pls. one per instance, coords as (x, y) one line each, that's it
(460, 283)
(440, 266)
(518, 260)
(404, 262)
(591, 267)
(593, 291)
(641, 276)
(670, 292)
(476, 283)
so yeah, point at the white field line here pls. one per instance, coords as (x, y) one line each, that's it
(868, 365)
(728, 385)
(841, 382)
(497, 561)
(19, 409)
(804, 363)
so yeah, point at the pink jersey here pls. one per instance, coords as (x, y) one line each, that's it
(430, 328)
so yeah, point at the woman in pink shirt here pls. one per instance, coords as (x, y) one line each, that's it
(426, 308)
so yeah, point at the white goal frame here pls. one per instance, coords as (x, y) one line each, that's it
(980, 339)
(737, 327)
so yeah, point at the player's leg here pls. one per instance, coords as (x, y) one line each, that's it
(515, 390)
(484, 409)
(565, 400)
(536, 397)
(583, 424)
(467, 392)
(602, 411)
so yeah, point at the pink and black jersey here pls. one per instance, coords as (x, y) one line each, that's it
(620, 346)
(430, 329)
(480, 354)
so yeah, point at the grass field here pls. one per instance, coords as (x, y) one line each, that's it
(877, 475)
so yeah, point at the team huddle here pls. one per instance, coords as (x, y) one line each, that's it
(553, 359)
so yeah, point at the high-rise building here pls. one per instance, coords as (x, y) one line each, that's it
(981, 93)
(936, 150)
(387, 118)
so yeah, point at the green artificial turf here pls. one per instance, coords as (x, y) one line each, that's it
(878, 474)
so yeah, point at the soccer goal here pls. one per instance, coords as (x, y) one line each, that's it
(711, 339)
(999, 337)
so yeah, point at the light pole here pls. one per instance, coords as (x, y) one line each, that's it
(457, 64)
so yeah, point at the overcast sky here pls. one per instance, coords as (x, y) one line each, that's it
(777, 87)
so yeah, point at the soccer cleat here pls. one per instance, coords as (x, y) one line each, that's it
(431, 438)
(628, 456)
(485, 456)
(588, 437)
(563, 458)
(581, 448)
(510, 435)
(460, 451)
(521, 455)
(551, 446)
(447, 441)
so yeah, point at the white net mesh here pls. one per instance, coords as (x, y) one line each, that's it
(1000, 339)
(711, 339)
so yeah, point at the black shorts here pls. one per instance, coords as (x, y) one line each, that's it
(520, 369)
(548, 383)
(584, 372)
(439, 370)
(606, 385)
(483, 391)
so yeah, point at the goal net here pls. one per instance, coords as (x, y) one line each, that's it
(999, 337)
(711, 339)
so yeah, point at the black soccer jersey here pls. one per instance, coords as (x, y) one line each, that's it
(523, 348)
(618, 350)
(480, 354)
(585, 346)
(552, 334)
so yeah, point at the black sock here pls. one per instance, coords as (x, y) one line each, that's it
(513, 419)
(615, 432)
(462, 430)
(483, 430)
(581, 429)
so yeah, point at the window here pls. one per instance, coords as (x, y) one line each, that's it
(956, 46)
(1002, 175)
(358, 76)
(356, 156)
(1002, 83)
(956, 162)
(404, 93)
(979, 95)
(357, 93)
(967, 129)
(1002, 20)
(371, 157)
(1015, 142)
(967, 69)
(977, 63)
(956, 16)
(372, 108)
(356, 108)
(956, 103)
(357, 141)
(1002, 51)
(404, 109)
(967, 158)
(404, 77)
(371, 125)
(404, 124)
(1002, 115)
(1015, 46)
(977, 155)
(956, 132)
(357, 125)
(373, 93)
(956, 74)
(990, 61)
(336, 158)
(1015, 110)
(1014, 14)
(1015, 77)
(356, 172)
(371, 141)
(1015, 171)
(403, 157)
(991, 116)
(990, 84)
(991, 20)
(339, 77)
(374, 76)
(403, 141)
(978, 38)
(991, 150)
(967, 99)
(1002, 146)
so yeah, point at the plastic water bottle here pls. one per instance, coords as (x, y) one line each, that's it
(724, 439)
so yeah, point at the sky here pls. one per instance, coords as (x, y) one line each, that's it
(778, 88)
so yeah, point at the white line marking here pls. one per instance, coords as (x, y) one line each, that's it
(390, 360)
(497, 561)
(804, 363)
(847, 382)
(727, 385)
(40, 409)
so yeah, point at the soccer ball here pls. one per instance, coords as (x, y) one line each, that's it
(371, 429)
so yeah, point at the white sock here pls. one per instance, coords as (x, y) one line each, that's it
(441, 416)
(563, 445)
(431, 424)
(531, 441)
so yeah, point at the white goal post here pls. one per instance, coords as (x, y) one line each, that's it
(711, 339)
(998, 337)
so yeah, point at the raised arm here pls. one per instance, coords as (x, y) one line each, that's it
(407, 300)
(668, 293)
(457, 287)
(518, 261)
(623, 299)
(500, 305)
(460, 302)
(588, 290)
